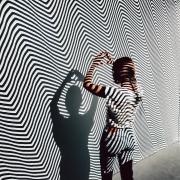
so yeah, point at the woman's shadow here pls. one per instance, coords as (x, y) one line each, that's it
(71, 134)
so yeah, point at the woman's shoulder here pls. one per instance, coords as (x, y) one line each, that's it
(111, 91)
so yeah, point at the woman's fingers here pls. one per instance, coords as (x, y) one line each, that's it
(110, 62)
(103, 57)
(102, 53)
(99, 54)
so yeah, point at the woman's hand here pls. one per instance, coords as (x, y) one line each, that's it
(103, 58)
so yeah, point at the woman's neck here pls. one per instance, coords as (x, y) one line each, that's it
(129, 86)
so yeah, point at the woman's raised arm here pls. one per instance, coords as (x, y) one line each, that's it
(97, 89)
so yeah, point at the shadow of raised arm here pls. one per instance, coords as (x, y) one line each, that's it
(93, 107)
(53, 105)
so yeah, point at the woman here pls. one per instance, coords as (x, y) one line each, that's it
(117, 139)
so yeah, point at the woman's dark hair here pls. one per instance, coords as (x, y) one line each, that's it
(124, 71)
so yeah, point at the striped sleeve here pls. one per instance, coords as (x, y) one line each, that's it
(111, 92)
(106, 91)
(102, 91)
(97, 90)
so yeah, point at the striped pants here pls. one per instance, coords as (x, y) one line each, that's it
(120, 143)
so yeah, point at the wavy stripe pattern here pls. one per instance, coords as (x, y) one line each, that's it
(42, 40)
(177, 12)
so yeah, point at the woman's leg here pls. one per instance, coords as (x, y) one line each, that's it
(106, 160)
(125, 157)
(126, 170)
(126, 164)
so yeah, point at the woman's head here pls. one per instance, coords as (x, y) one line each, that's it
(123, 70)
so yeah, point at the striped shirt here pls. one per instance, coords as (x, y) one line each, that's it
(121, 106)
(121, 102)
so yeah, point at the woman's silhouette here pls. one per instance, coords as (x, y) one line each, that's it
(71, 134)
(122, 100)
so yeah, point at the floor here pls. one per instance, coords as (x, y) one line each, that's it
(164, 165)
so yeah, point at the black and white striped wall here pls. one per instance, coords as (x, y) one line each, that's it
(41, 41)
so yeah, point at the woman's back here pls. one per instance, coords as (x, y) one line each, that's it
(121, 106)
